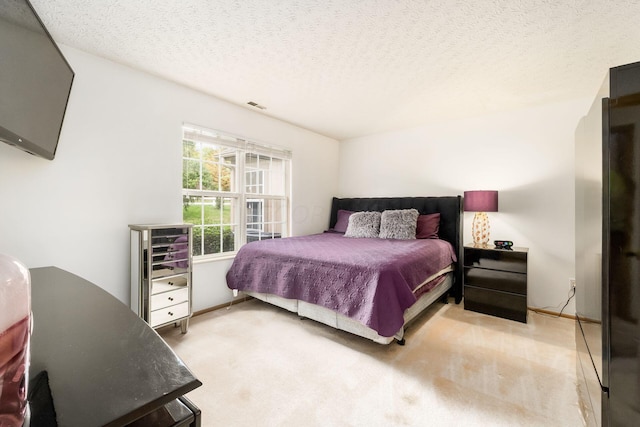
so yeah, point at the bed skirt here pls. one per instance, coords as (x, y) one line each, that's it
(339, 321)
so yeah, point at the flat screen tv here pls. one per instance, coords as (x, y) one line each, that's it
(35, 81)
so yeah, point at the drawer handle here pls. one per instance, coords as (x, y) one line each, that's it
(170, 298)
(171, 283)
(170, 314)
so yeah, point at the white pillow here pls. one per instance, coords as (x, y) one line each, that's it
(363, 224)
(399, 224)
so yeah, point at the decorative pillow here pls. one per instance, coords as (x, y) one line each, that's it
(399, 224)
(428, 226)
(363, 224)
(343, 221)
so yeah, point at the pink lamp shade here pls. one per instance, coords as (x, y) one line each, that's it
(481, 201)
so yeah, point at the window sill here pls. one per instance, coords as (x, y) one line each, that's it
(206, 260)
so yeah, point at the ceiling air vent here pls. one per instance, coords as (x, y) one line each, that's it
(255, 104)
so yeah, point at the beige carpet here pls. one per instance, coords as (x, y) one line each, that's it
(264, 366)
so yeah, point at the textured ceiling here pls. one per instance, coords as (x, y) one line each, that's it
(347, 68)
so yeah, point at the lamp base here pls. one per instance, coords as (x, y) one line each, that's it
(480, 229)
(15, 338)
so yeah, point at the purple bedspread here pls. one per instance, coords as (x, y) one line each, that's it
(368, 280)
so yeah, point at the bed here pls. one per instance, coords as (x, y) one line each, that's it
(370, 287)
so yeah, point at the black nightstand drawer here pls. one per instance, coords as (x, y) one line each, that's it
(496, 303)
(505, 281)
(497, 259)
(495, 281)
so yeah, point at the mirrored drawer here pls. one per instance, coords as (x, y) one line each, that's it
(168, 284)
(166, 299)
(169, 314)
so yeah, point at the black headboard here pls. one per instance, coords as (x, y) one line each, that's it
(449, 207)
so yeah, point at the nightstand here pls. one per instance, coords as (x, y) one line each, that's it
(495, 281)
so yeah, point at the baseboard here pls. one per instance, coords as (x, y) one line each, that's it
(552, 313)
(247, 298)
(218, 307)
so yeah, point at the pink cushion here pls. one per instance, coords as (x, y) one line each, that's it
(428, 226)
(343, 221)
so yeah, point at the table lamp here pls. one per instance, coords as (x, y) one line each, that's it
(15, 338)
(480, 202)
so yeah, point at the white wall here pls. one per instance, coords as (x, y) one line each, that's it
(527, 155)
(119, 163)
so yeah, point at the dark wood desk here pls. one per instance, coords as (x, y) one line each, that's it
(105, 365)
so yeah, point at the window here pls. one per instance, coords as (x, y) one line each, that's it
(233, 191)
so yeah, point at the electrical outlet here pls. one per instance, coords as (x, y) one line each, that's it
(572, 283)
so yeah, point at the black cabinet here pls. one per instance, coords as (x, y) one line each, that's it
(607, 257)
(495, 282)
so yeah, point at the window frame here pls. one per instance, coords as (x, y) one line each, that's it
(240, 196)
